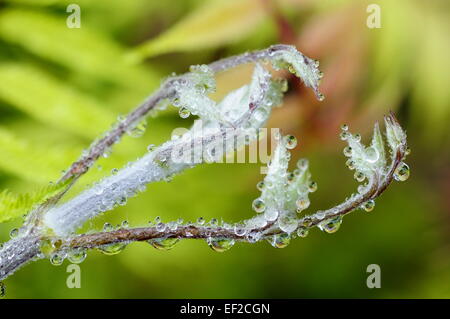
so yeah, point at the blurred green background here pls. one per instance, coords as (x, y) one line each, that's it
(61, 87)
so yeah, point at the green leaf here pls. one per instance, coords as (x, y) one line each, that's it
(32, 162)
(48, 100)
(16, 205)
(82, 50)
(216, 23)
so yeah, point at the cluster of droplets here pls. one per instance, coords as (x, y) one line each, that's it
(192, 93)
(284, 194)
(300, 65)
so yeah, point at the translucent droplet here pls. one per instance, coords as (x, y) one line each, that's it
(125, 224)
(302, 232)
(350, 164)
(108, 227)
(287, 224)
(184, 112)
(213, 222)
(260, 185)
(164, 243)
(369, 205)
(348, 151)
(201, 221)
(138, 130)
(281, 240)
(221, 244)
(14, 233)
(302, 163)
(302, 204)
(402, 172)
(284, 85)
(306, 222)
(359, 176)
(258, 205)
(151, 147)
(114, 171)
(2, 290)
(344, 135)
(56, 259)
(112, 249)
(372, 155)
(344, 127)
(312, 187)
(357, 137)
(332, 225)
(290, 141)
(160, 227)
(240, 230)
(321, 97)
(46, 247)
(271, 214)
(77, 255)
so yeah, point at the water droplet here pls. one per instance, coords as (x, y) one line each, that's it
(260, 185)
(184, 112)
(114, 171)
(344, 135)
(57, 259)
(290, 141)
(14, 233)
(160, 227)
(350, 164)
(302, 204)
(258, 205)
(402, 172)
(372, 155)
(321, 97)
(220, 244)
(46, 247)
(357, 137)
(138, 130)
(302, 163)
(151, 147)
(344, 127)
(163, 243)
(369, 205)
(306, 222)
(125, 224)
(108, 227)
(201, 221)
(77, 255)
(332, 225)
(281, 240)
(240, 230)
(213, 222)
(287, 224)
(348, 151)
(112, 249)
(359, 176)
(284, 85)
(312, 187)
(302, 232)
(271, 214)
